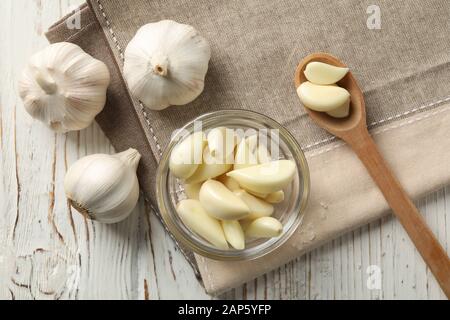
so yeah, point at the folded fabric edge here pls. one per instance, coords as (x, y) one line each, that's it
(395, 141)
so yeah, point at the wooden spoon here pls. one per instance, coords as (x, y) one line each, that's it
(353, 130)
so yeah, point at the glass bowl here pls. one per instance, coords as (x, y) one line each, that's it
(169, 189)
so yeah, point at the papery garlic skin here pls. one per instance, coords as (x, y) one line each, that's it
(64, 87)
(195, 217)
(104, 187)
(166, 63)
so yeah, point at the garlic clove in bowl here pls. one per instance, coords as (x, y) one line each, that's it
(166, 63)
(221, 203)
(210, 168)
(64, 87)
(246, 153)
(258, 207)
(265, 178)
(234, 233)
(265, 227)
(195, 217)
(104, 187)
(187, 156)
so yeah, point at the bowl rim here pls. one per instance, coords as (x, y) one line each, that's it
(232, 255)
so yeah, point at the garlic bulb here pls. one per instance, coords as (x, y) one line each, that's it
(104, 187)
(64, 87)
(166, 63)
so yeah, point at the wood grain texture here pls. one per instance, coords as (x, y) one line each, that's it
(48, 251)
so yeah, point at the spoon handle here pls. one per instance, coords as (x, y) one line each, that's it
(405, 210)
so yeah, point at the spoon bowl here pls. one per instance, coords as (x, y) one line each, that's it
(357, 116)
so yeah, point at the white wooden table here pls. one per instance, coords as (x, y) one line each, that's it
(48, 251)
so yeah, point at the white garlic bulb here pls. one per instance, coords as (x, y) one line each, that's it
(64, 87)
(166, 63)
(104, 187)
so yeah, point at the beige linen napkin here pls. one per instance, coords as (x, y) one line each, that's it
(403, 69)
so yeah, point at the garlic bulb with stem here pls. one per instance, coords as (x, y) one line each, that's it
(64, 87)
(104, 187)
(166, 63)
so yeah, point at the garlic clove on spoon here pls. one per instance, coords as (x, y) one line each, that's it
(234, 233)
(64, 87)
(267, 177)
(342, 111)
(258, 207)
(265, 227)
(210, 168)
(186, 156)
(104, 187)
(166, 63)
(195, 217)
(323, 73)
(322, 98)
(221, 203)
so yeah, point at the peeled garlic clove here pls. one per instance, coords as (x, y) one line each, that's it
(234, 233)
(341, 112)
(165, 64)
(210, 168)
(263, 154)
(323, 73)
(258, 194)
(322, 98)
(245, 223)
(229, 182)
(267, 177)
(221, 142)
(104, 187)
(187, 155)
(275, 197)
(258, 208)
(192, 190)
(221, 203)
(64, 87)
(265, 227)
(195, 217)
(246, 153)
